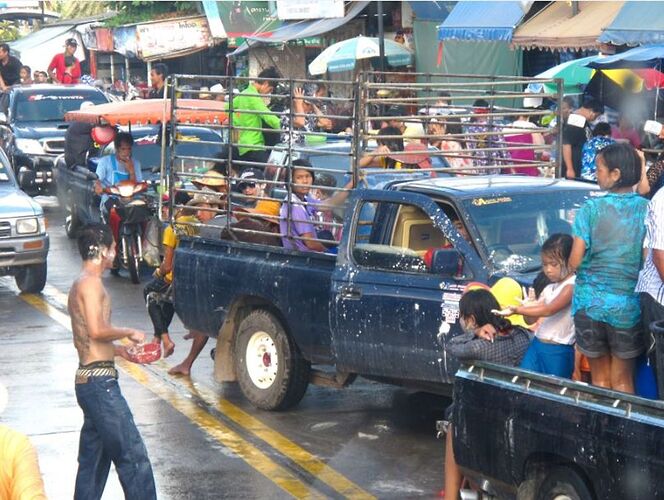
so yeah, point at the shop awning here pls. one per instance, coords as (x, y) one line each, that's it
(637, 23)
(300, 29)
(483, 21)
(38, 48)
(556, 27)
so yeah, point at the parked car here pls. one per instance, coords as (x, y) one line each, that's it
(76, 184)
(523, 435)
(23, 239)
(385, 306)
(32, 127)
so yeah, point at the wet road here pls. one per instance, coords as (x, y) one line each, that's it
(203, 438)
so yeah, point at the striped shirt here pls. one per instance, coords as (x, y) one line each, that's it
(650, 281)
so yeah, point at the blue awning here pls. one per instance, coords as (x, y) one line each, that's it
(482, 21)
(638, 57)
(431, 10)
(637, 23)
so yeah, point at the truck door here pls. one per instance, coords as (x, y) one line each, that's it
(392, 309)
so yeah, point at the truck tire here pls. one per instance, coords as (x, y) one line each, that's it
(563, 483)
(269, 367)
(32, 278)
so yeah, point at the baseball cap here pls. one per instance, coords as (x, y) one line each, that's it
(71, 41)
(249, 176)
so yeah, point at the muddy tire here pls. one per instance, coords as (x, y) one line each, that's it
(269, 367)
(563, 483)
(32, 278)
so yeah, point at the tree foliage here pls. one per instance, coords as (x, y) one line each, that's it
(8, 31)
(138, 11)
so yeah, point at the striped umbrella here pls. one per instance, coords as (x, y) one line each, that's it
(343, 55)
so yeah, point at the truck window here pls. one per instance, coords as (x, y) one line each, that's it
(395, 237)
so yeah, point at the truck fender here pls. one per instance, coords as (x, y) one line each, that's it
(240, 309)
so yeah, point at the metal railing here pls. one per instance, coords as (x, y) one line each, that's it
(365, 127)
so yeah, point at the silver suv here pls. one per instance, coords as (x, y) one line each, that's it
(23, 239)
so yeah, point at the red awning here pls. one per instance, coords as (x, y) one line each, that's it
(150, 111)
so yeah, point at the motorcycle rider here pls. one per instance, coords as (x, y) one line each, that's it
(111, 170)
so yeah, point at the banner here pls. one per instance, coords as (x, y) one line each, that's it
(172, 38)
(306, 9)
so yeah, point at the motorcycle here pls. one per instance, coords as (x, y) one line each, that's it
(133, 213)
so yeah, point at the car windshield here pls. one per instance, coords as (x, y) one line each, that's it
(147, 150)
(51, 105)
(513, 227)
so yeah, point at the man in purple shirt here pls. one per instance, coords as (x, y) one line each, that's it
(303, 211)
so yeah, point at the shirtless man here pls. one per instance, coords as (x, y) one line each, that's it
(108, 433)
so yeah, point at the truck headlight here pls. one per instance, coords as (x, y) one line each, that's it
(27, 226)
(30, 146)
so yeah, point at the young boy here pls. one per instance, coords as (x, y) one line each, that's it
(601, 139)
(109, 432)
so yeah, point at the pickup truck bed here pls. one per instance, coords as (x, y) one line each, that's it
(293, 285)
(520, 434)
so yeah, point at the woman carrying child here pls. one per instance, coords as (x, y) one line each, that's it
(552, 350)
(606, 255)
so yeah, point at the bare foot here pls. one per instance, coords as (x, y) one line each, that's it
(168, 344)
(181, 369)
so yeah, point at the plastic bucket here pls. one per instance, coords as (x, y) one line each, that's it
(657, 330)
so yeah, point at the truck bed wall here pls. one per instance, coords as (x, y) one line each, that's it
(499, 426)
(212, 275)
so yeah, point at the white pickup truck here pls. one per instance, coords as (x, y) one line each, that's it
(23, 238)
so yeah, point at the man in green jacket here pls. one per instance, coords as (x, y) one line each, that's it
(250, 99)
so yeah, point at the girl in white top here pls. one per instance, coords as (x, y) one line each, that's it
(552, 350)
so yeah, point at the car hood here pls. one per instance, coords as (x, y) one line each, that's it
(39, 130)
(15, 203)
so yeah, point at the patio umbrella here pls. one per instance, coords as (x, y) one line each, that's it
(343, 55)
(575, 75)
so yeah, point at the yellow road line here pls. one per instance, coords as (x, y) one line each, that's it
(304, 459)
(206, 422)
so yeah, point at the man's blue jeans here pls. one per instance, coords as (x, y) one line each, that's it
(109, 434)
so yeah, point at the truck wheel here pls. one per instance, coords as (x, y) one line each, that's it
(72, 224)
(269, 367)
(563, 483)
(133, 259)
(32, 278)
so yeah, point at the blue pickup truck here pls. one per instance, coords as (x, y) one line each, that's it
(386, 305)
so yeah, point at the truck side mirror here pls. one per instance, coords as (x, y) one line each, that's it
(445, 262)
(26, 179)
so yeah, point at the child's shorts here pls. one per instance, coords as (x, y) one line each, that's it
(596, 338)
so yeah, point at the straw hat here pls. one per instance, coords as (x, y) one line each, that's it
(205, 198)
(212, 178)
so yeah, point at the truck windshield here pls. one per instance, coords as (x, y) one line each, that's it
(512, 228)
(5, 175)
(51, 105)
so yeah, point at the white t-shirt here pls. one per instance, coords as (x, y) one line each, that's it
(559, 327)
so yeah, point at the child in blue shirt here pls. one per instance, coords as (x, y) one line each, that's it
(608, 235)
(601, 138)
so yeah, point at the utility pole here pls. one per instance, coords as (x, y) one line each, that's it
(381, 36)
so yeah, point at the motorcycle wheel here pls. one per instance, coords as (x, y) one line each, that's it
(133, 258)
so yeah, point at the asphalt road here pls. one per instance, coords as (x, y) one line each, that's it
(203, 438)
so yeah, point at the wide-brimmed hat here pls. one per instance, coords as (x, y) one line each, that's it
(212, 178)
(414, 154)
(205, 198)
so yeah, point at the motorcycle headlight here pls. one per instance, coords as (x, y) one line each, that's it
(29, 146)
(27, 226)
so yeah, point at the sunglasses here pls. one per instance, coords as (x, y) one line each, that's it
(246, 185)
